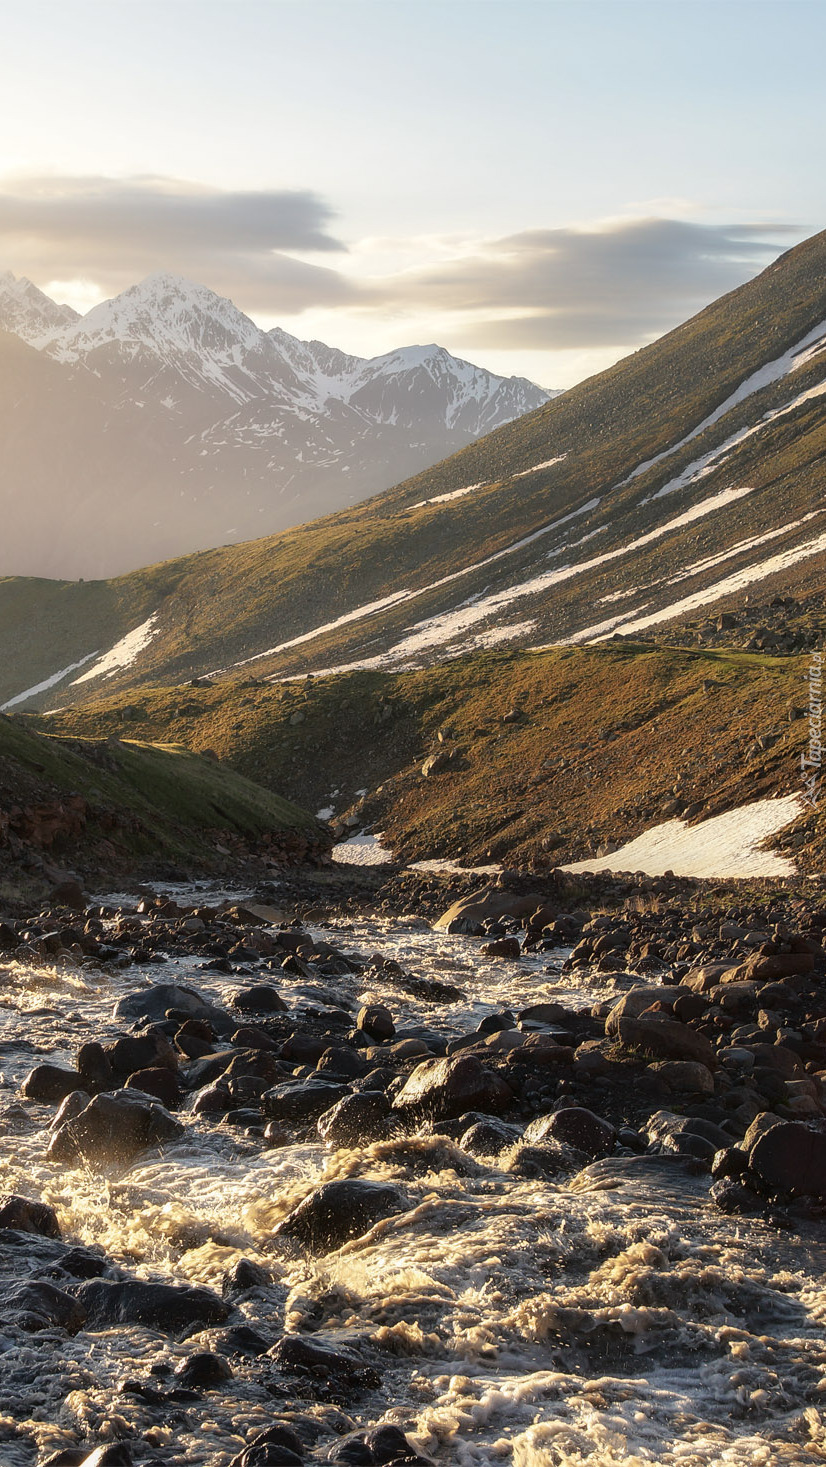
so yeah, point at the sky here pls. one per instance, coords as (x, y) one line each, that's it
(541, 186)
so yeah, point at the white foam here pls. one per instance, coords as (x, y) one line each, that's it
(725, 845)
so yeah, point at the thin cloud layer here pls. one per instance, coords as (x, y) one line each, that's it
(563, 289)
(114, 231)
(612, 286)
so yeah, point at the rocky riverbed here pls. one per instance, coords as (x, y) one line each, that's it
(432, 1172)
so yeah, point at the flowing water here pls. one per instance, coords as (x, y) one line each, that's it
(614, 1316)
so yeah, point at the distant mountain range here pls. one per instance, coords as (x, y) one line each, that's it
(165, 421)
(686, 477)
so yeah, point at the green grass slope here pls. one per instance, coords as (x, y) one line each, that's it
(552, 753)
(119, 806)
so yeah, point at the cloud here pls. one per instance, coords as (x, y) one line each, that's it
(563, 289)
(114, 231)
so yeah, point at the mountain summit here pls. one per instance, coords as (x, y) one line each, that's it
(165, 421)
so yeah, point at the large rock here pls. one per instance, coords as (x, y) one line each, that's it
(665, 1039)
(164, 1307)
(685, 1076)
(151, 1005)
(308, 1355)
(50, 1083)
(26, 1216)
(355, 1120)
(304, 1101)
(489, 904)
(338, 1211)
(637, 1000)
(791, 1159)
(37, 1304)
(574, 1126)
(444, 1088)
(115, 1128)
(776, 965)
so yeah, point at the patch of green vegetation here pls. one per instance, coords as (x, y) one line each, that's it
(144, 799)
(552, 752)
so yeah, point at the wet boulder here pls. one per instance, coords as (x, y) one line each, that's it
(443, 1088)
(166, 1307)
(665, 1038)
(158, 1082)
(114, 1128)
(50, 1083)
(376, 1020)
(340, 1210)
(277, 1446)
(304, 1101)
(308, 1355)
(791, 1158)
(151, 1005)
(502, 947)
(259, 998)
(488, 1136)
(26, 1216)
(203, 1371)
(140, 1052)
(355, 1120)
(379, 1447)
(38, 1304)
(574, 1126)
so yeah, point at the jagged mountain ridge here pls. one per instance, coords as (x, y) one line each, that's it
(675, 481)
(203, 428)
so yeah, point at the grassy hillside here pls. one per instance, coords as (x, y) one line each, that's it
(111, 807)
(553, 753)
(227, 604)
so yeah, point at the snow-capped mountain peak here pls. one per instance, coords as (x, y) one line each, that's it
(28, 313)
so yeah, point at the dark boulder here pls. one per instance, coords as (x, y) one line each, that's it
(790, 1158)
(306, 1355)
(340, 1210)
(302, 1101)
(26, 1216)
(165, 1307)
(446, 1087)
(356, 1120)
(50, 1083)
(574, 1126)
(114, 1128)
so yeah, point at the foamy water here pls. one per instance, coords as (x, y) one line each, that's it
(616, 1316)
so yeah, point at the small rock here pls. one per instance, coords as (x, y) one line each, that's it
(574, 1126)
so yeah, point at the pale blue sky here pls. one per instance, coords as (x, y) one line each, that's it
(419, 136)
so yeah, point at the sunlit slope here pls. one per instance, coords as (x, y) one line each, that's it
(564, 527)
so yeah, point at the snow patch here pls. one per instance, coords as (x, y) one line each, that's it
(124, 652)
(725, 845)
(362, 850)
(796, 357)
(49, 682)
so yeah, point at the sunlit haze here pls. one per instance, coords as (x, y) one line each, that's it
(541, 187)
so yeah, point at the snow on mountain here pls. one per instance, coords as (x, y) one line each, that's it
(28, 313)
(209, 341)
(169, 398)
